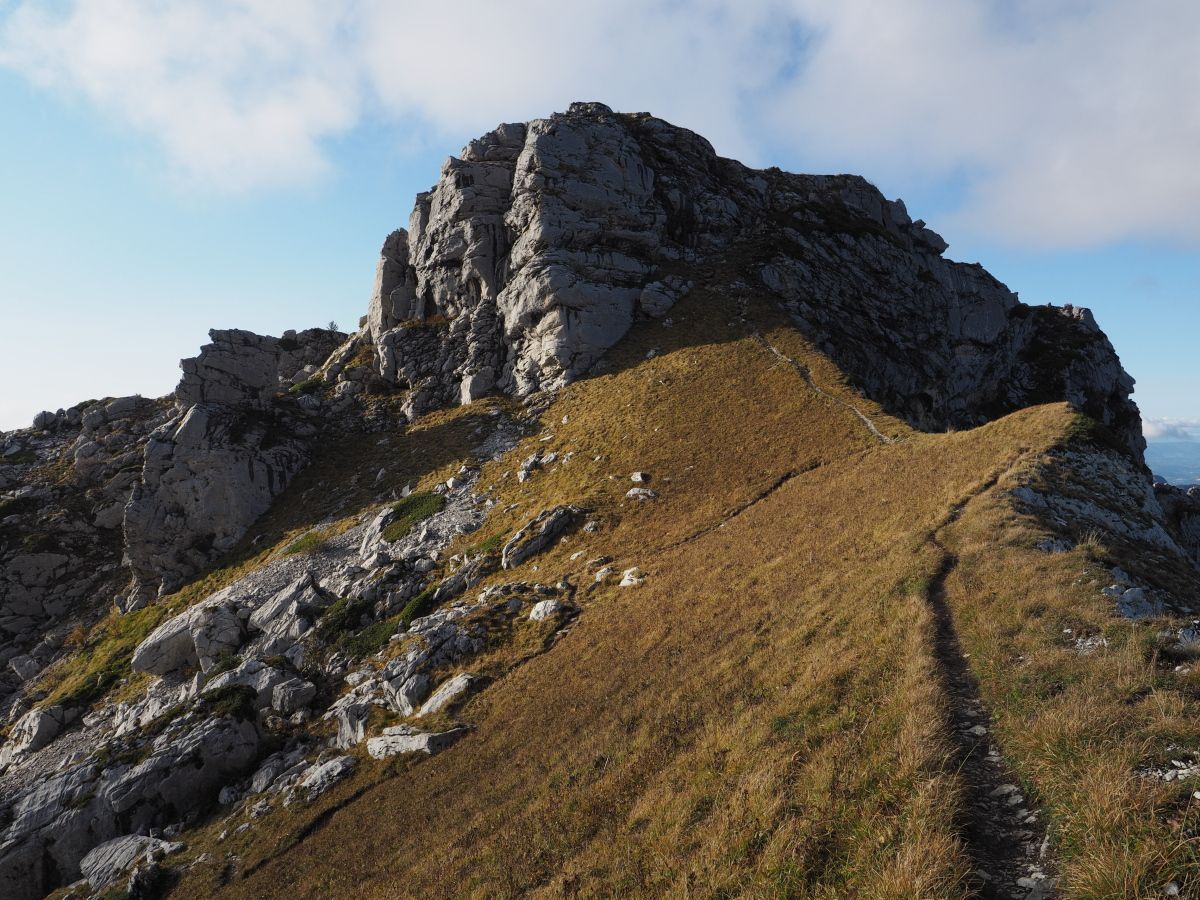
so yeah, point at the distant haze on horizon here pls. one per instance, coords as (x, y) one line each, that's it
(170, 168)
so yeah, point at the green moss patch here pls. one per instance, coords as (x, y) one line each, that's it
(411, 510)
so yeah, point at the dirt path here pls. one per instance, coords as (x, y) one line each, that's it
(804, 373)
(806, 376)
(1003, 833)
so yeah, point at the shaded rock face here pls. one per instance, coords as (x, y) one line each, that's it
(51, 828)
(63, 487)
(207, 476)
(541, 243)
(1182, 510)
(215, 467)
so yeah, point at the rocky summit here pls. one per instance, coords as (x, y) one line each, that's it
(666, 527)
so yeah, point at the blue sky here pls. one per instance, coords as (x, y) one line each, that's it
(170, 167)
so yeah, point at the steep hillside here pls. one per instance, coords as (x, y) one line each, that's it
(666, 528)
(782, 706)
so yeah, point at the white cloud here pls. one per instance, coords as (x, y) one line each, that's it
(1169, 429)
(1068, 122)
(239, 93)
(1074, 123)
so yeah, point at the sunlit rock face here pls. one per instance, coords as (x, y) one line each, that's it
(543, 242)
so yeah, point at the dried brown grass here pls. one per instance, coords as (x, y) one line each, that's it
(763, 717)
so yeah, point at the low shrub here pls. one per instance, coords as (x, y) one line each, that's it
(307, 386)
(411, 510)
(493, 544)
(225, 662)
(310, 542)
(371, 639)
(235, 701)
(20, 458)
(415, 608)
(343, 616)
(436, 322)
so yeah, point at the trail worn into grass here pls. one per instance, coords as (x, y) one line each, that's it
(1004, 835)
(806, 375)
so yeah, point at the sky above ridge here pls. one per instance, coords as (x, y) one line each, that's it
(170, 167)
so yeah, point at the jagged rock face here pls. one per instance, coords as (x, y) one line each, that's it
(1182, 510)
(537, 245)
(940, 343)
(207, 476)
(65, 483)
(51, 828)
(541, 244)
(212, 470)
(246, 369)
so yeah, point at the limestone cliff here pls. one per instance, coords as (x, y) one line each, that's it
(217, 463)
(371, 568)
(542, 242)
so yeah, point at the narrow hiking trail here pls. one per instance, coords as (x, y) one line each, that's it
(1003, 833)
(806, 375)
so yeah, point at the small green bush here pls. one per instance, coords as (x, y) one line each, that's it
(411, 510)
(436, 322)
(494, 544)
(307, 386)
(310, 542)
(371, 639)
(343, 616)
(21, 458)
(107, 755)
(224, 663)
(236, 701)
(415, 608)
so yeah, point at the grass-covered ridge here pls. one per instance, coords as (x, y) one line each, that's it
(750, 719)
(764, 716)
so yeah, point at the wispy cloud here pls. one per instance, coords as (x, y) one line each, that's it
(1070, 122)
(1170, 429)
(238, 94)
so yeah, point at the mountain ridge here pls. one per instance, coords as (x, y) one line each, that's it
(636, 400)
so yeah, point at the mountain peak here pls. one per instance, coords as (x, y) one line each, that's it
(544, 241)
(660, 509)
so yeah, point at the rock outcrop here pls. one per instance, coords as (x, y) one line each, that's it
(241, 368)
(213, 469)
(52, 828)
(1181, 509)
(63, 487)
(537, 250)
(207, 476)
(542, 242)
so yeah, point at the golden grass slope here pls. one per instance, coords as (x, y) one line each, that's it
(763, 717)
